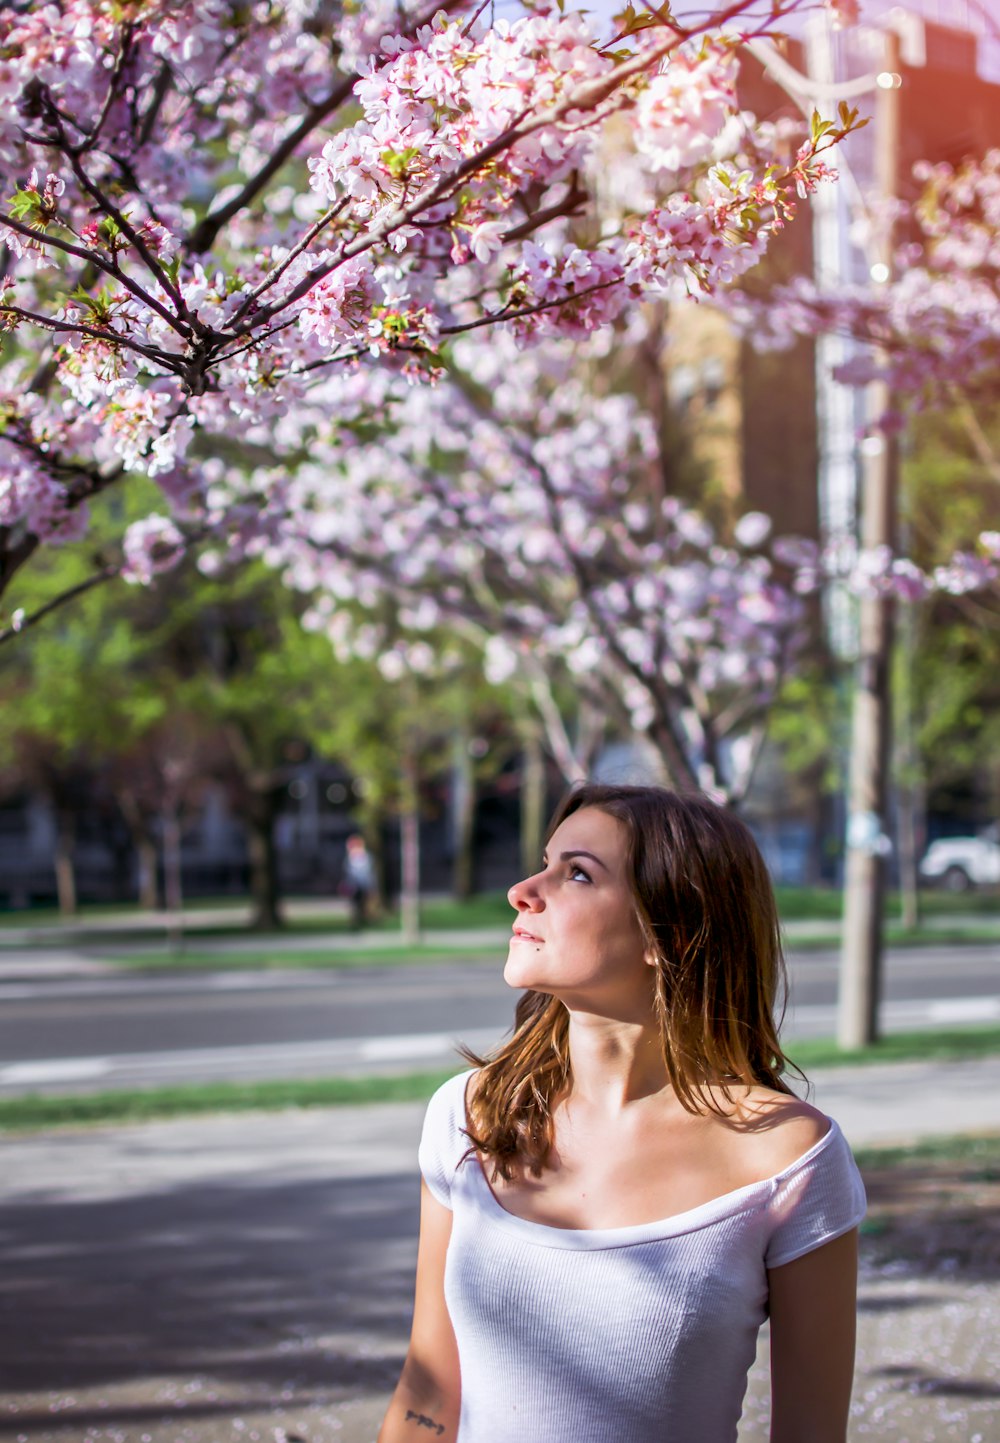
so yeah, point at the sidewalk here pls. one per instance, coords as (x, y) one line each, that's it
(248, 1277)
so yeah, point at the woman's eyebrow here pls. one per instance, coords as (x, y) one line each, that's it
(579, 852)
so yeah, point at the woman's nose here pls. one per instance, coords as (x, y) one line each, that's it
(523, 896)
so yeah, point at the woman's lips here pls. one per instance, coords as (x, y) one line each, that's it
(520, 934)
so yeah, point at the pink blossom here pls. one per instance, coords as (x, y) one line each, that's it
(151, 546)
(684, 107)
(338, 307)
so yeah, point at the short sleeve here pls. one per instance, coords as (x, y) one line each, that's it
(443, 1143)
(818, 1199)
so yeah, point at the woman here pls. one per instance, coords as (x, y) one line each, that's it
(617, 1197)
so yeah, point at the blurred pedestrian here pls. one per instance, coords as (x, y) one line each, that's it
(627, 1187)
(358, 879)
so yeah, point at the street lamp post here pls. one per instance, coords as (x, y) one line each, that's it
(867, 831)
(868, 845)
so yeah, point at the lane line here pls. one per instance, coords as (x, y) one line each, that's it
(236, 1060)
(277, 1059)
(66, 1069)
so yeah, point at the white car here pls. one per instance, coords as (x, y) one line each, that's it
(958, 863)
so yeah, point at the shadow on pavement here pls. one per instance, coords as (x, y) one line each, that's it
(272, 1285)
(916, 1380)
(939, 1221)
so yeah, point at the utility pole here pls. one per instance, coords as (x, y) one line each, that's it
(867, 832)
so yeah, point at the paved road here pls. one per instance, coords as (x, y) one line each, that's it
(139, 1030)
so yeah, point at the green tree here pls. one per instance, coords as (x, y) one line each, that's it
(952, 493)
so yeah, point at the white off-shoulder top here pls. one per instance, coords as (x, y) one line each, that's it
(639, 1334)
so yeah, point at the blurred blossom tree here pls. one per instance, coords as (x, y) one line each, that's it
(930, 330)
(515, 503)
(217, 206)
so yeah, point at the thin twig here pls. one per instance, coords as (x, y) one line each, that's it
(116, 74)
(107, 573)
(150, 261)
(106, 267)
(303, 244)
(506, 315)
(161, 358)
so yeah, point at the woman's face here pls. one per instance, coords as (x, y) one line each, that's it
(577, 934)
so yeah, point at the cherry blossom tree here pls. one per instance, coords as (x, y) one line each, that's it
(930, 329)
(516, 505)
(215, 206)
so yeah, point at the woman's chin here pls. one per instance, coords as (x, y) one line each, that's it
(520, 972)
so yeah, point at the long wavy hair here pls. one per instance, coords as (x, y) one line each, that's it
(706, 907)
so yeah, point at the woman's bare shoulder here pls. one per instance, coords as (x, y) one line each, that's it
(775, 1129)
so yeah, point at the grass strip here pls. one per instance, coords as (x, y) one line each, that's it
(954, 935)
(43, 1110)
(980, 1151)
(954, 1044)
(36, 1111)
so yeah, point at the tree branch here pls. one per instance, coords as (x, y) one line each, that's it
(109, 269)
(21, 625)
(80, 328)
(973, 428)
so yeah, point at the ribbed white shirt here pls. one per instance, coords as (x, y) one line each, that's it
(639, 1334)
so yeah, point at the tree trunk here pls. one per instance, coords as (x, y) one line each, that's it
(264, 888)
(144, 842)
(373, 820)
(173, 886)
(409, 840)
(463, 815)
(909, 855)
(532, 802)
(65, 866)
(149, 882)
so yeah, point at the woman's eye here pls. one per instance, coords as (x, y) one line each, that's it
(575, 873)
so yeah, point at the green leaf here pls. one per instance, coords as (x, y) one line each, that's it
(23, 203)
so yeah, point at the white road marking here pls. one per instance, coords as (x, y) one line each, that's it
(66, 1069)
(391, 1049)
(966, 1009)
(269, 1059)
(819, 1019)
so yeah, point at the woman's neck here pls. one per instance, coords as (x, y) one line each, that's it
(615, 1063)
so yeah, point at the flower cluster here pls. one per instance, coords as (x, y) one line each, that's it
(685, 107)
(933, 327)
(151, 545)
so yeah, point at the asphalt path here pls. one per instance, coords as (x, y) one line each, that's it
(88, 1033)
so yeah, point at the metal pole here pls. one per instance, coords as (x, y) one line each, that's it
(867, 831)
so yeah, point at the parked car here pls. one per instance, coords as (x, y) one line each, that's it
(958, 863)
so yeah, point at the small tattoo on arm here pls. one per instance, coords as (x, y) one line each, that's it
(422, 1421)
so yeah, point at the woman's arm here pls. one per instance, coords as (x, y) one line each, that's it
(813, 1307)
(425, 1404)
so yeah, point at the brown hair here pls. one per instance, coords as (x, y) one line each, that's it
(706, 906)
